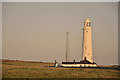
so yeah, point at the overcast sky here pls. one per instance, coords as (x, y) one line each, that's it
(37, 31)
(59, 0)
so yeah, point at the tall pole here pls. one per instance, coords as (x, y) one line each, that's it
(67, 47)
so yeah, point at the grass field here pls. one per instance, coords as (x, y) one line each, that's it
(24, 69)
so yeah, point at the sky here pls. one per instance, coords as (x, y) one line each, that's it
(37, 31)
(0, 30)
(0, 39)
(60, 0)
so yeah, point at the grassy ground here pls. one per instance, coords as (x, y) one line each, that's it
(21, 69)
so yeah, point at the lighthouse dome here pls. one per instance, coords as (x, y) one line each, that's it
(87, 20)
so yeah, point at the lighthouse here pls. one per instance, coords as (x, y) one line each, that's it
(87, 58)
(87, 41)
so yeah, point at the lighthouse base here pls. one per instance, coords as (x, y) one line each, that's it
(78, 65)
(84, 63)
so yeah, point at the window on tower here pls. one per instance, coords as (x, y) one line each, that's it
(88, 24)
(85, 47)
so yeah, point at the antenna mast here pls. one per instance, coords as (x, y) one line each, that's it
(67, 48)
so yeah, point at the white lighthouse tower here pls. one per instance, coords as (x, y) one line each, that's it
(87, 49)
(87, 41)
